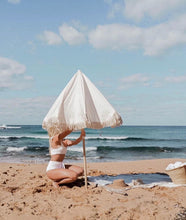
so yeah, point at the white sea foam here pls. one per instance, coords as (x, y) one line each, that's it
(177, 164)
(80, 149)
(36, 136)
(113, 138)
(13, 127)
(25, 136)
(70, 137)
(15, 149)
(107, 137)
(9, 127)
(100, 137)
(4, 137)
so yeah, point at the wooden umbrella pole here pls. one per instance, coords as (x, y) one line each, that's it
(85, 163)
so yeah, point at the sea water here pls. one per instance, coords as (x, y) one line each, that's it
(29, 144)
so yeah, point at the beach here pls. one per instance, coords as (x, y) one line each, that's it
(27, 193)
(100, 85)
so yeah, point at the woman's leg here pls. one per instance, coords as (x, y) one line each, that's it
(62, 176)
(77, 169)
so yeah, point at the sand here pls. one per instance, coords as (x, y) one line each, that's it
(26, 193)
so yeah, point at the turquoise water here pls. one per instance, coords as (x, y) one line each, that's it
(29, 143)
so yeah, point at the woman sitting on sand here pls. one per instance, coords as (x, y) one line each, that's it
(56, 169)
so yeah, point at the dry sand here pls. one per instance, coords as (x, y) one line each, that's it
(26, 193)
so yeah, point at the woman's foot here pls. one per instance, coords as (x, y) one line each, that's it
(55, 184)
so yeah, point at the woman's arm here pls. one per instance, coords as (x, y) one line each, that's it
(63, 135)
(77, 141)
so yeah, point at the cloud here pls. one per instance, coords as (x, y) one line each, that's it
(10, 67)
(143, 80)
(50, 38)
(176, 79)
(137, 10)
(12, 74)
(115, 37)
(134, 80)
(79, 26)
(14, 1)
(153, 40)
(71, 35)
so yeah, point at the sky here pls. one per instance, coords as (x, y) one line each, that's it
(134, 51)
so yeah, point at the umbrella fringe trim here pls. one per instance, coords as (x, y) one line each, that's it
(55, 128)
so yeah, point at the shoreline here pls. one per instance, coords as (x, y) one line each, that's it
(115, 167)
(27, 193)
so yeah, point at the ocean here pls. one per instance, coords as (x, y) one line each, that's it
(29, 144)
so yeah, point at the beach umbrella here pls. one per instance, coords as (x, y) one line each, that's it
(80, 105)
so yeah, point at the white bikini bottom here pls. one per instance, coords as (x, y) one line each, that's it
(55, 165)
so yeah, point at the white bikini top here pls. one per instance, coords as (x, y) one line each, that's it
(61, 149)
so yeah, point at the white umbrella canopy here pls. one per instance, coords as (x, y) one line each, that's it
(80, 105)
